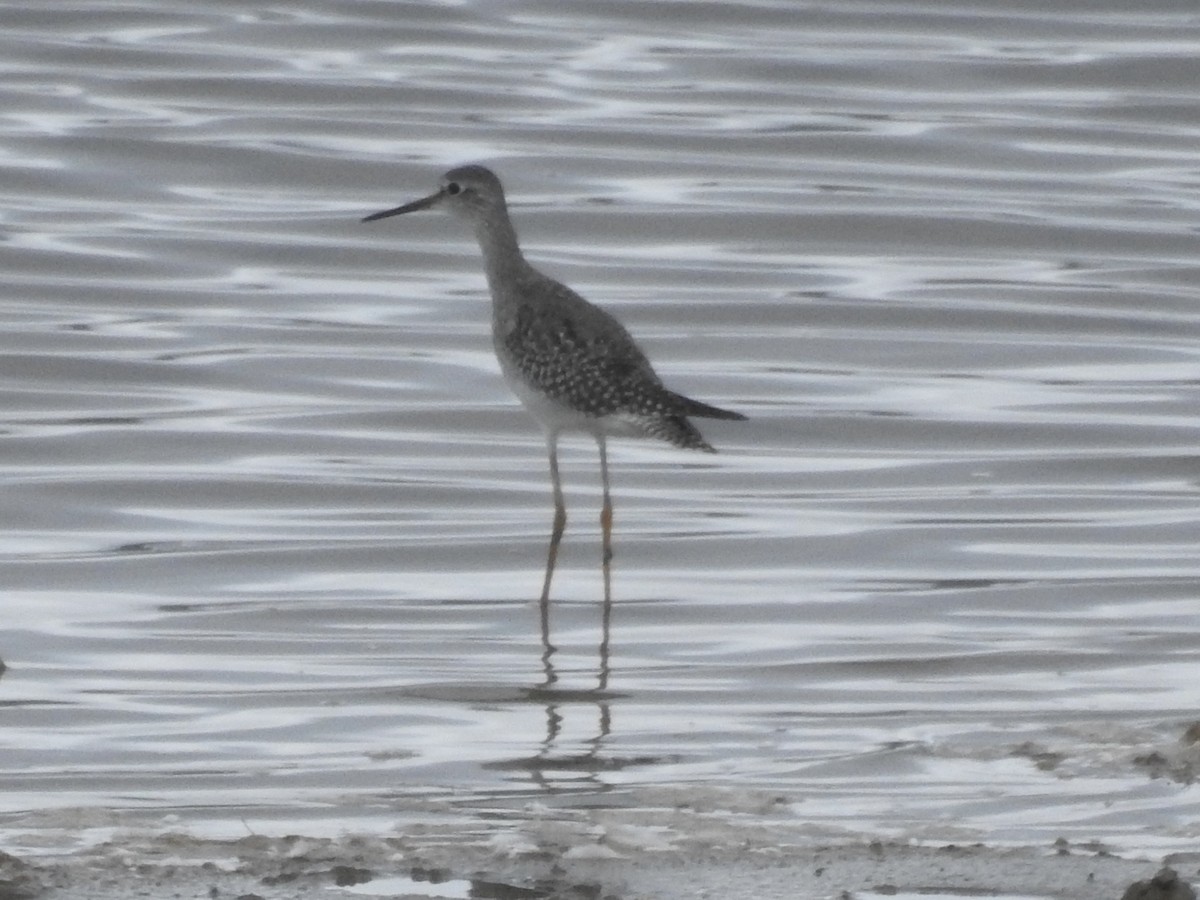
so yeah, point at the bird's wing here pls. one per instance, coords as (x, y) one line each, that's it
(581, 356)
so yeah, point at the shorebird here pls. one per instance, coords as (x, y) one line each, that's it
(570, 363)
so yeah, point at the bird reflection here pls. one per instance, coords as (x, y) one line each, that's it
(563, 762)
(575, 750)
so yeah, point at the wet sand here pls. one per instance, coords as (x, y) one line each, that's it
(402, 867)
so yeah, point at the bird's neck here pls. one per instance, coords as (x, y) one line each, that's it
(501, 254)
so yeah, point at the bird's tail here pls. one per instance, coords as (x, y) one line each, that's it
(690, 407)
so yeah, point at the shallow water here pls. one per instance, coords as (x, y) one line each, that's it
(274, 527)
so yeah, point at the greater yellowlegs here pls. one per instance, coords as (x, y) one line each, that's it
(571, 364)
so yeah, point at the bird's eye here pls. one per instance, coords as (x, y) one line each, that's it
(453, 188)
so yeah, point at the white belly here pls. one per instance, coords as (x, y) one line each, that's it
(554, 416)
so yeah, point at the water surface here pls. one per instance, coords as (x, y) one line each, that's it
(274, 528)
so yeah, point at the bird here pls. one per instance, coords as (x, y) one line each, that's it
(572, 365)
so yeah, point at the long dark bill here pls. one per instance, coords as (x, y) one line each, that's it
(423, 203)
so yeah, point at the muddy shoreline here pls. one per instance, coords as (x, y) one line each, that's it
(179, 865)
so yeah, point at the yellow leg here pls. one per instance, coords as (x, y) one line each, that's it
(605, 643)
(606, 522)
(560, 522)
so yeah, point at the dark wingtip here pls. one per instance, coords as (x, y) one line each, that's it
(705, 411)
